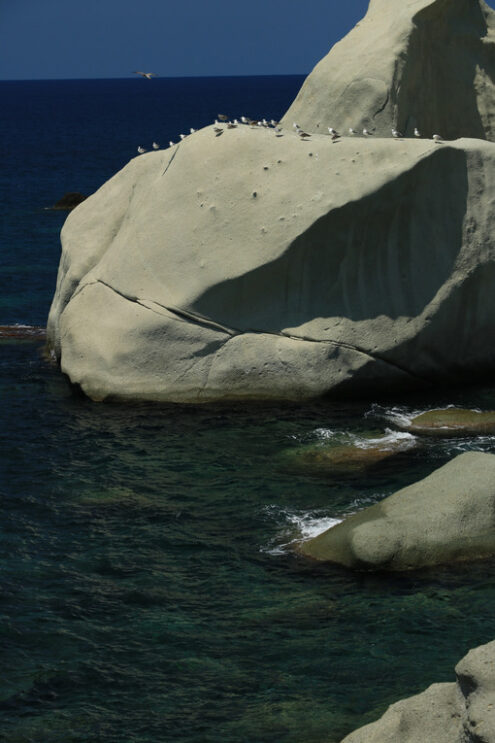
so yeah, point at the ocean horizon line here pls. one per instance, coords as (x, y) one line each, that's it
(158, 77)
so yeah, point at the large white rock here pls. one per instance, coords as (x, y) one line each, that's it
(249, 265)
(408, 63)
(461, 712)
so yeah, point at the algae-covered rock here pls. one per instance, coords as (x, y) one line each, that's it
(452, 422)
(460, 712)
(355, 454)
(448, 516)
(423, 63)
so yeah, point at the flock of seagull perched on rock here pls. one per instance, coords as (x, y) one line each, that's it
(223, 122)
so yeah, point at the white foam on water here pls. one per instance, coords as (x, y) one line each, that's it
(392, 440)
(325, 433)
(297, 526)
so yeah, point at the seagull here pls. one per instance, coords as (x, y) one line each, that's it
(332, 131)
(171, 144)
(231, 125)
(295, 126)
(417, 133)
(141, 150)
(274, 123)
(182, 136)
(352, 131)
(396, 133)
(156, 146)
(147, 75)
(244, 120)
(191, 130)
(222, 117)
(437, 138)
(366, 133)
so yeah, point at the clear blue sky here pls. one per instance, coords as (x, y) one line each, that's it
(42, 39)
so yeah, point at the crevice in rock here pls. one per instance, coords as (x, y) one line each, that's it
(191, 317)
(171, 160)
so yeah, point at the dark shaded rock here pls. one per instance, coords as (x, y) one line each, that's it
(69, 201)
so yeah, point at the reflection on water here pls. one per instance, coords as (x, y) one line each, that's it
(148, 592)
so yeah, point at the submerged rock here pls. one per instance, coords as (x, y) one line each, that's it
(460, 712)
(425, 63)
(449, 516)
(357, 454)
(452, 422)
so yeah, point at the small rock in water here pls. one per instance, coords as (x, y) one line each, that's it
(452, 422)
(69, 201)
(331, 458)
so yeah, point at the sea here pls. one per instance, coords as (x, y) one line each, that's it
(149, 589)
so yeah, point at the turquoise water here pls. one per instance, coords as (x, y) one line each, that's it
(147, 592)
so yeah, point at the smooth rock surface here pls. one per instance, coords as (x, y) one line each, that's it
(255, 266)
(452, 422)
(461, 712)
(422, 63)
(449, 516)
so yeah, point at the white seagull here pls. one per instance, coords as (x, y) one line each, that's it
(437, 138)
(417, 133)
(182, 136)
(366, 133)
(156, 146)
(191, 130)
(332, 131)
(171, 144)
(147, 75)
(352, 131)
(141, 150)
(396, 133)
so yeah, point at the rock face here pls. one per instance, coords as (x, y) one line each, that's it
(251, 265)
(452, 422)
(448, 516)
(247, 265)
(423, 63)
(461, 712)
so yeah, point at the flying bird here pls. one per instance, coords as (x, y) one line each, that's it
(147, 75)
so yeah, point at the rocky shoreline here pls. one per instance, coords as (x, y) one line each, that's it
(257, 261)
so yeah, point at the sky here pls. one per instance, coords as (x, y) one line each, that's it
(45, 39)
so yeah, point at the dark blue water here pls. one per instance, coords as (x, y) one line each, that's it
(146, 594)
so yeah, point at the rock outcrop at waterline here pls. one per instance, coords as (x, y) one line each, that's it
(244, 263)
(424, 63)
(460, 712)
(252, 266)
(449, 516)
